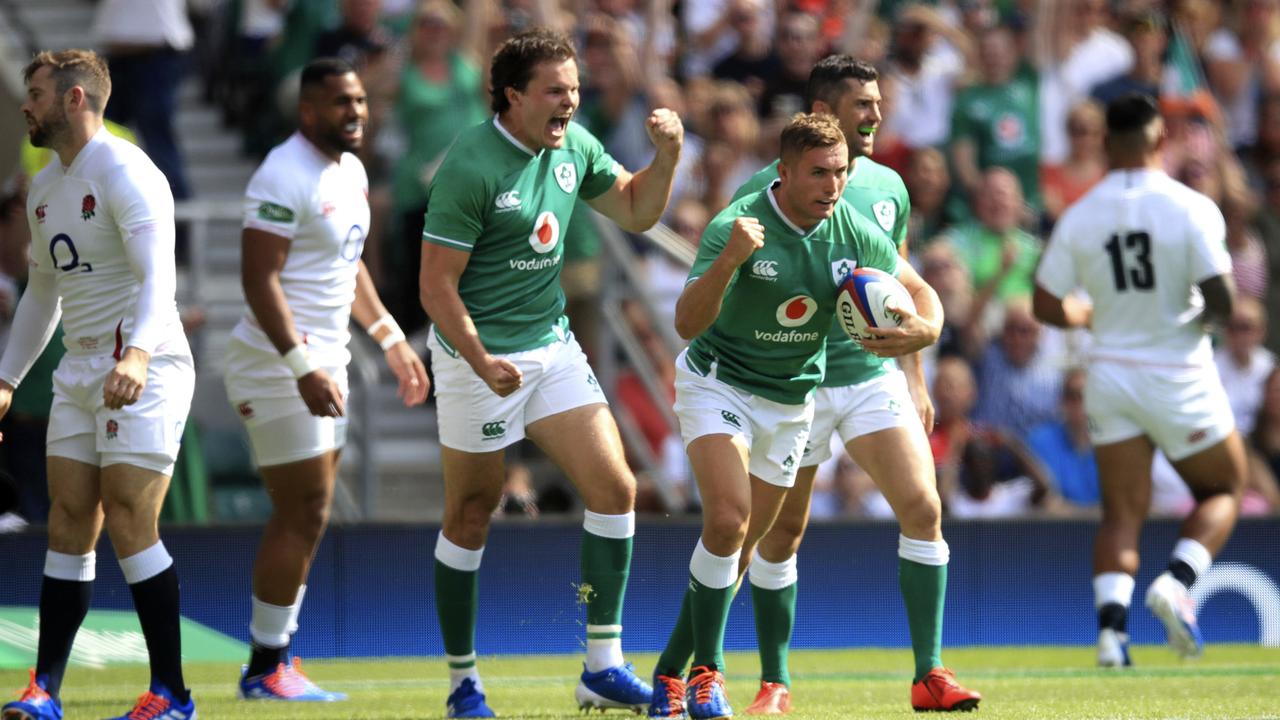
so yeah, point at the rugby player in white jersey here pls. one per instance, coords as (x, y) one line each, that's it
(1151, 254)
(102, 261)
(306, 217)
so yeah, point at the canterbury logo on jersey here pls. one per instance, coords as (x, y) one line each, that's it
(507, 201)
(492, 430)
(765, 270)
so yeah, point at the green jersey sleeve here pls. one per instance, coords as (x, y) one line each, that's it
(962, 125)
(602, 170)
(457, 202)
(761, 180)
(874, 249)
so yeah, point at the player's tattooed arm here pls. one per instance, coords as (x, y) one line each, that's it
(1219, 294)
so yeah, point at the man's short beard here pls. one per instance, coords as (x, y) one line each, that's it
(49, 129)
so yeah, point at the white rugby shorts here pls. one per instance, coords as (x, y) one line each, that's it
(852, 411)
(146, 434)
(1182, 409)
(473, 418)
(775, 433)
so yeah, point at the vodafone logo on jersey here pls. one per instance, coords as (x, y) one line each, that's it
(796, 311)
(546, 233)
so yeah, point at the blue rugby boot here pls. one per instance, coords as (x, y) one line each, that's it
(668, 697)
(467, 702)
(287, 682)
(158, 703)
(706, 699)
(614, 688)
(35, 703)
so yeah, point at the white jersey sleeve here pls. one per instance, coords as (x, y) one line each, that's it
(1206, 241)
(33, 324)
(139, 202)
(272, 204)
(1057, 271)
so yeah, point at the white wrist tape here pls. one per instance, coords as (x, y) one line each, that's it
(394, 335)
(298, 361)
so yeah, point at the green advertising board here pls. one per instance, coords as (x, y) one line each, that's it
(109, 637)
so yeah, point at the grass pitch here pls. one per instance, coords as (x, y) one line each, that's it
(1230, 681)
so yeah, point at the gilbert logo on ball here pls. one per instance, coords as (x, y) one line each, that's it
(796, 311)
(546, 233)
(870, 298)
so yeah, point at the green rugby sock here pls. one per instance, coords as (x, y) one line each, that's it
(775, 612)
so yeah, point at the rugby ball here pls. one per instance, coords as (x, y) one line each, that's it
(870, 298)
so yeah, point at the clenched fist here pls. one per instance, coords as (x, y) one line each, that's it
(746, 237)
(666, 132)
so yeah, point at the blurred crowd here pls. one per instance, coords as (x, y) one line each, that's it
(992, 114)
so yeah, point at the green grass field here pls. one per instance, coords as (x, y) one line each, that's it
(1230, 681)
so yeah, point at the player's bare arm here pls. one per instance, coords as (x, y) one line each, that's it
(637, 201)
(263, 255)
(1219, 294)
(405, 364)
(1067, 312)
(699, 304)
(919, 329)
(441, 269)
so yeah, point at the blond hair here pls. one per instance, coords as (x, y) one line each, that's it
(807, 131)
(72, 68)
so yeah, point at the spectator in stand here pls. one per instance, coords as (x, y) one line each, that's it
(665, 278)
(942, 270)
(1264, 450)
(145, 44)
(1086, 163)
(1019, 383)
(1242, 62)
(730, 158)
(1075, 51)
(1249, 264)
(998, 478)
(799, 46)
(1266, 148)
(1147, 34)
(1000, 255)
(1267, 224)
(928, 182)
(753, 61)
(712, 29)
(359, 38)
(1062, 445)
(996, 121)
(973, 459)
(1243, 363)
(440, 92)
(927, 60)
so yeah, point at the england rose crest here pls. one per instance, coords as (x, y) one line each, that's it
(87, 206)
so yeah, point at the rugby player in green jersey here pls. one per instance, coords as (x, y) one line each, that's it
(868, 401)
(506, 365)
(759, 305)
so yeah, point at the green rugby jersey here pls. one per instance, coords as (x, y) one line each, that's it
(877, 193)
(509, 207)
(770, 336)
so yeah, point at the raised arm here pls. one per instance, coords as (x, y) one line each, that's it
(699, 304)
(636, 201)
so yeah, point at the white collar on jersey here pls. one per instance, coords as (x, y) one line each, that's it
(315, 151)
(783, 216)
(95, 140)
(512, 138)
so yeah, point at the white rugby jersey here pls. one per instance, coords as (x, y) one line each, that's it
(322, 207)
(1139, 243)
(81, 217)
